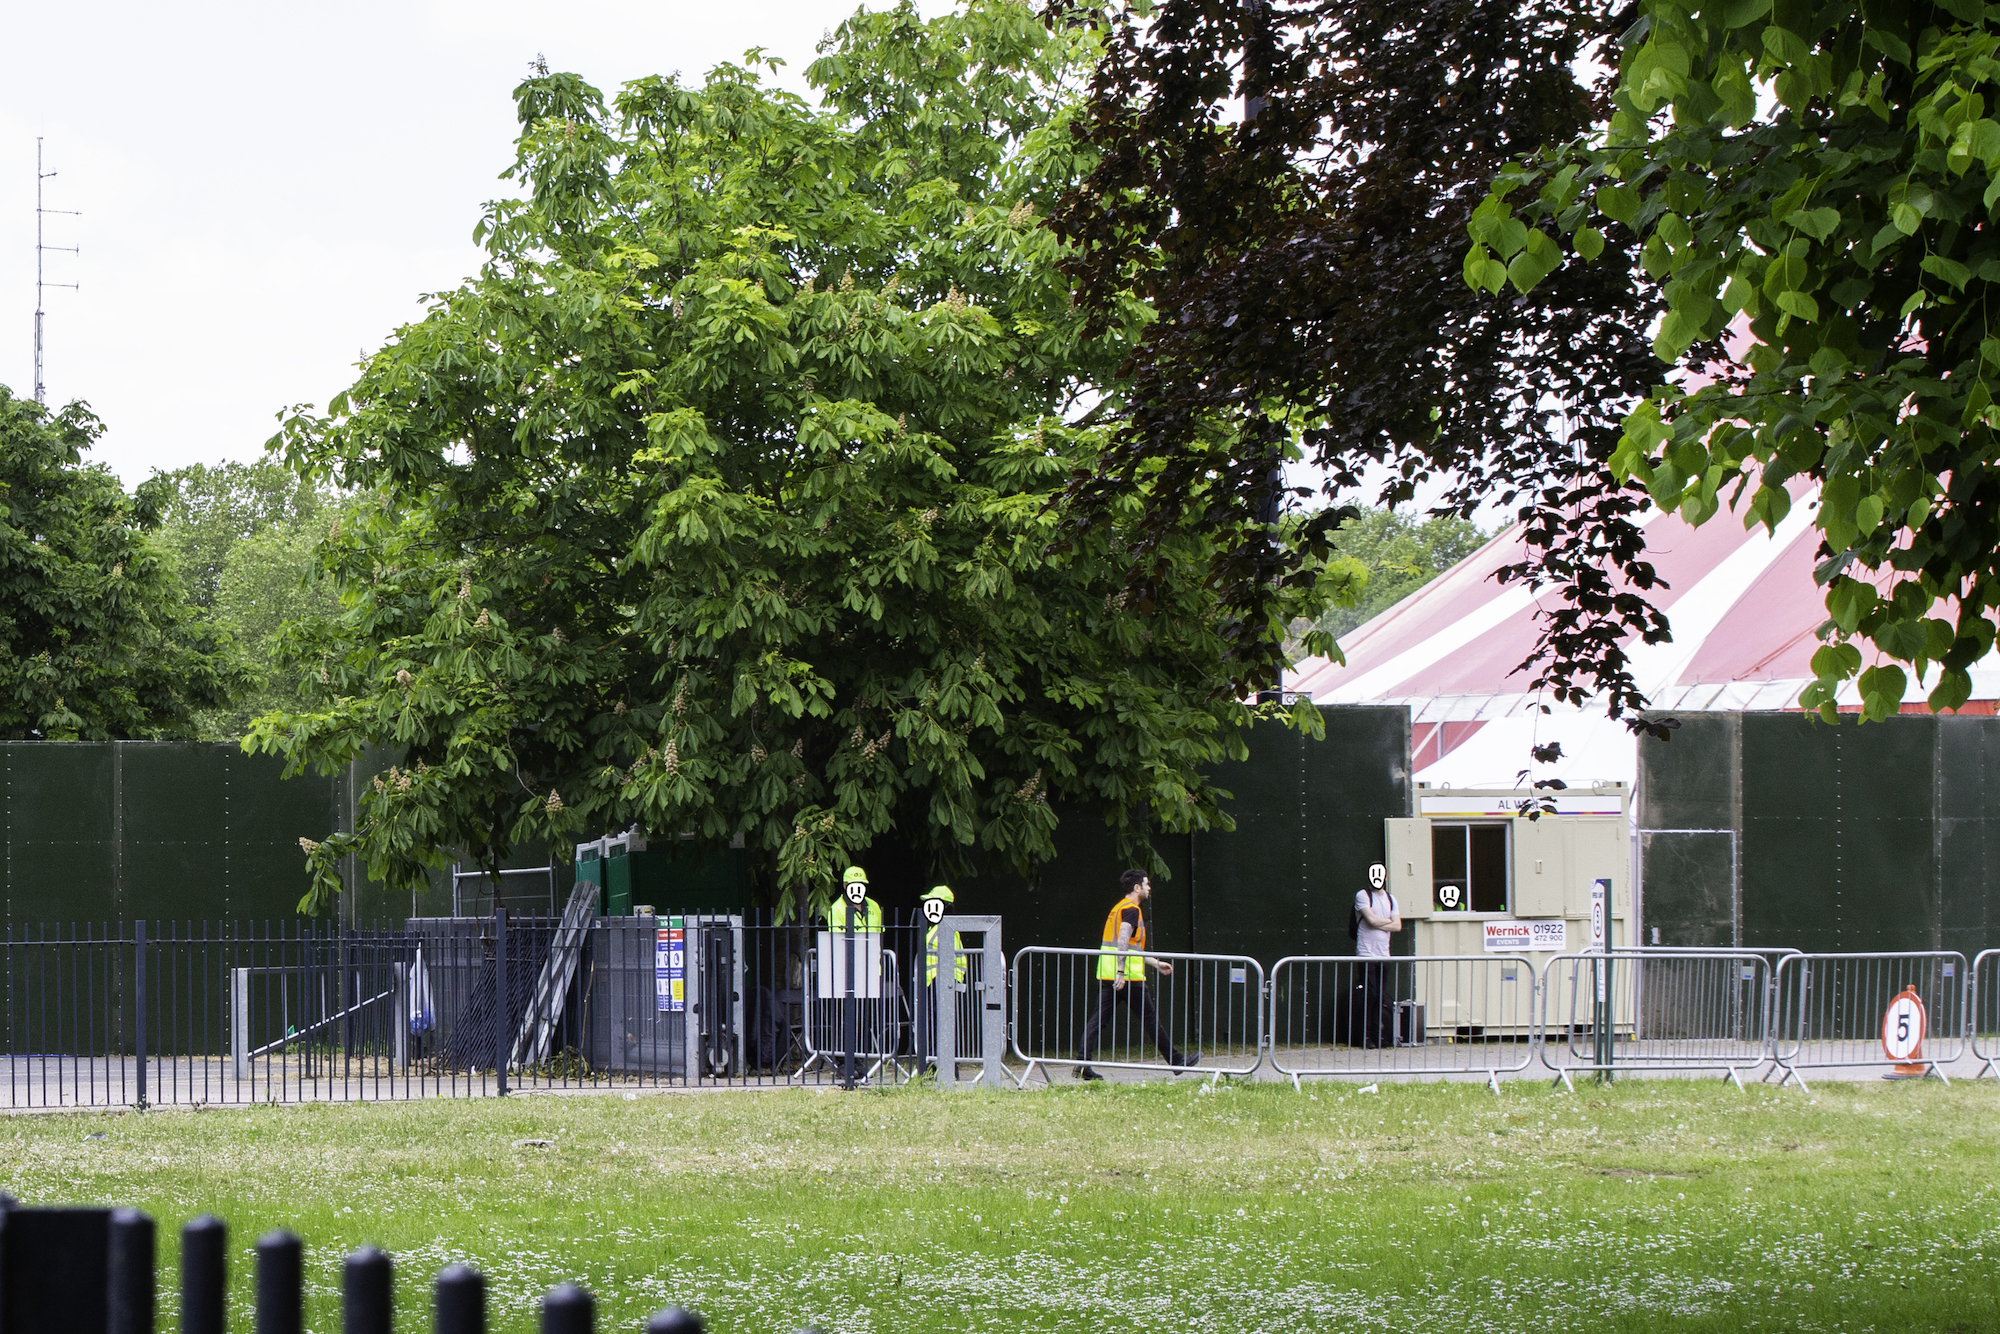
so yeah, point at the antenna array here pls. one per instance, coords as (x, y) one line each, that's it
(41, 391)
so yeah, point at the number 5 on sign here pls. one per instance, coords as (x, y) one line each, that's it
(1903, 1029)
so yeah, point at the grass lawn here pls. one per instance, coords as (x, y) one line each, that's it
(1649, 1205)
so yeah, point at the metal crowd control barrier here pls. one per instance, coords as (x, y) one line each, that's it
(1652, 1009)
(1844, 1010)
(1432, 1015)
(1210, 1005)
(866, 1021)
(1983, 1011)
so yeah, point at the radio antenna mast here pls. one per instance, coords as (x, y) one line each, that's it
(41, 390)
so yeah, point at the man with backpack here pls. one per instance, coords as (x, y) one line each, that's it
(1375, 917)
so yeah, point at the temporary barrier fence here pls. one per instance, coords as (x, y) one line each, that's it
(1903, 1010)
(1983, 1011)
(1652, 1009)
(144, 1013)
(95, 1271)
(857, 1017)
(1346, 1015)
(1071, 1009)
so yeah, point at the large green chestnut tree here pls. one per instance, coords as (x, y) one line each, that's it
(724, 500)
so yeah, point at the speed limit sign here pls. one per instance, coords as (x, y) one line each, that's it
(1903, 1026)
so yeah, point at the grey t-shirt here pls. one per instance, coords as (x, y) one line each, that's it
(1369, 942)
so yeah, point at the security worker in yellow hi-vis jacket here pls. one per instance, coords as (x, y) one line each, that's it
(1121, 972)
(935, 905)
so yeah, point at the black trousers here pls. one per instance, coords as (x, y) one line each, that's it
(1136, 996)
(1374, 1024)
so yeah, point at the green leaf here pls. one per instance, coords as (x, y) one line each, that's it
(1620, 203)
(1508, 235)
(1950, 270)
(1836, 662)
(1888, 43)
(1739, 295)
(1799, 304)
(1785, 273)
(1981, 141)
(1589, 242)
(1475, 266)
(1868, 514)
(1906, 218)
(1742, 13)
(1532, 264)
(1818, 223)
(1785, 46)
(1965, 11)
(1953, 689)
(1673, 230)
(1677, 330)
(1733, 90)
(1882, 691)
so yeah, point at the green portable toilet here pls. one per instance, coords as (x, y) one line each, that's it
(670, 880)
(590, 867)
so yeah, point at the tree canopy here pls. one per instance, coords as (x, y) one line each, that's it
(1824, 178)
(1305, 261)
(244, 538)
(721, 500)
(97, 642)
(1400, 554)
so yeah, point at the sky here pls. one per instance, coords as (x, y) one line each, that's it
(267, 191)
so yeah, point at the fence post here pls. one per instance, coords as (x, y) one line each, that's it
(131, 1295)
(568, 1310)
(367, 1292)
(461, 1301)
(139, 1003)
(204, 1275)
(850, 1010)
(280, 1284)
(503, 1009)
(675, 1320)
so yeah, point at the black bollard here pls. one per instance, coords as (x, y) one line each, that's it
(281, 1266)
(204, 1275)
(461, 1301)
(675, 1320)
(131, 1295)
(367, 1290)
(568, 1310)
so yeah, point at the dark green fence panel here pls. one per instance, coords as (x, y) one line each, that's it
(118, 830)
(1855, 837)
(1309, 821)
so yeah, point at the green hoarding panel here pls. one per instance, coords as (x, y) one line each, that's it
(1852, 837)
(1690, 894)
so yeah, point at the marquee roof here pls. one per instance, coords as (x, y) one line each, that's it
(1742, 605)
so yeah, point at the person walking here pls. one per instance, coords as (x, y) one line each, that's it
(1122, 962)
(935, 904)
(1376, 917)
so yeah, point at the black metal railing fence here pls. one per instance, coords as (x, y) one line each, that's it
(144, 1013)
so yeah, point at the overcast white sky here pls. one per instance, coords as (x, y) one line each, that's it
(268, 189)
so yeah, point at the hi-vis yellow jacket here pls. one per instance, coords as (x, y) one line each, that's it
(1107, 961)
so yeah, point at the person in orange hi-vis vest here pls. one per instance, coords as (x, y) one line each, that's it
(1122, 962)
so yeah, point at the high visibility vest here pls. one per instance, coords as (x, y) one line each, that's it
(868, 917)
(930, 956)
(1107, 961)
